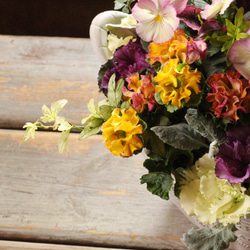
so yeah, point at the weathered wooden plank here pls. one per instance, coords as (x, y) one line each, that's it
(39, 70)
(85, 197)
(15, 245)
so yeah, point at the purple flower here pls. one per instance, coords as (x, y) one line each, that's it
(127, 60)
(106, 77)
(233, 159)
(130, 59)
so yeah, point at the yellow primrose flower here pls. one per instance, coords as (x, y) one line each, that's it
(120, 132)
(175, 86)
(176, 47)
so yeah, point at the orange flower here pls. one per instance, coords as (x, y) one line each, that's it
(175, 86)
(120, 132)
(140, 92)
(176, 47)
(230, 93)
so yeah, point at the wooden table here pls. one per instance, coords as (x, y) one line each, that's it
(87, 199)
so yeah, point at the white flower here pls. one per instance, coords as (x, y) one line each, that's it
(217, 6)
(210, 198)
(157, 19)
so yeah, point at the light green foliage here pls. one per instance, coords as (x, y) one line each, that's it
(115, 91)
(94, 120)
(50, 115)
(102, 112)
(30, 130)
(235, 31)
(64, 141)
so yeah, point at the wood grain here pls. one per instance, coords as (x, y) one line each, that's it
(85, 197)
(15, 245)
(39, 70)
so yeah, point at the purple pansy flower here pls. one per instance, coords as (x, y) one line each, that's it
(233, 159)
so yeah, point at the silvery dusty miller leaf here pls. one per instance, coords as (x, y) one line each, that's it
(204, 126)
(181, 136)
(216, 238)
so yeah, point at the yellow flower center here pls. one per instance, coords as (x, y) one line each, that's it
(158, 18)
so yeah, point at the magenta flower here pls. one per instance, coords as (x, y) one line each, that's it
(239, 55)
(157, 19)
(190, 16)
(196, 50)
(130, 59)
(233, 159)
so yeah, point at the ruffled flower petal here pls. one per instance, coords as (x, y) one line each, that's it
(233, 159)
(120, 132)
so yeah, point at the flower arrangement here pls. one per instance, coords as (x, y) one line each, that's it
(176, 82)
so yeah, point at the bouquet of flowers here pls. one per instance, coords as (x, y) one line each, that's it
(176, 81)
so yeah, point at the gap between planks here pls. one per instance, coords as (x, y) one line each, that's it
(17, 245)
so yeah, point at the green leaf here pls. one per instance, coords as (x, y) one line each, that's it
(115, 91)
(181, 136)
(89, 131)
(64, 141)
(230, 27)
(119, 4)
(153, 143)
(106, 111)
(158, 98)
(154, 165)
(177, 158)
(121, 31)
(205, 126)
(201, 3)
(125, 105)
(171, 108)
(215, 238)
(91, 106)
(158, 183)
(90, 118)
(239, 17)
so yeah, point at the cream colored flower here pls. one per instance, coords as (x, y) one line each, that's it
(217, 7)
(211, 198)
